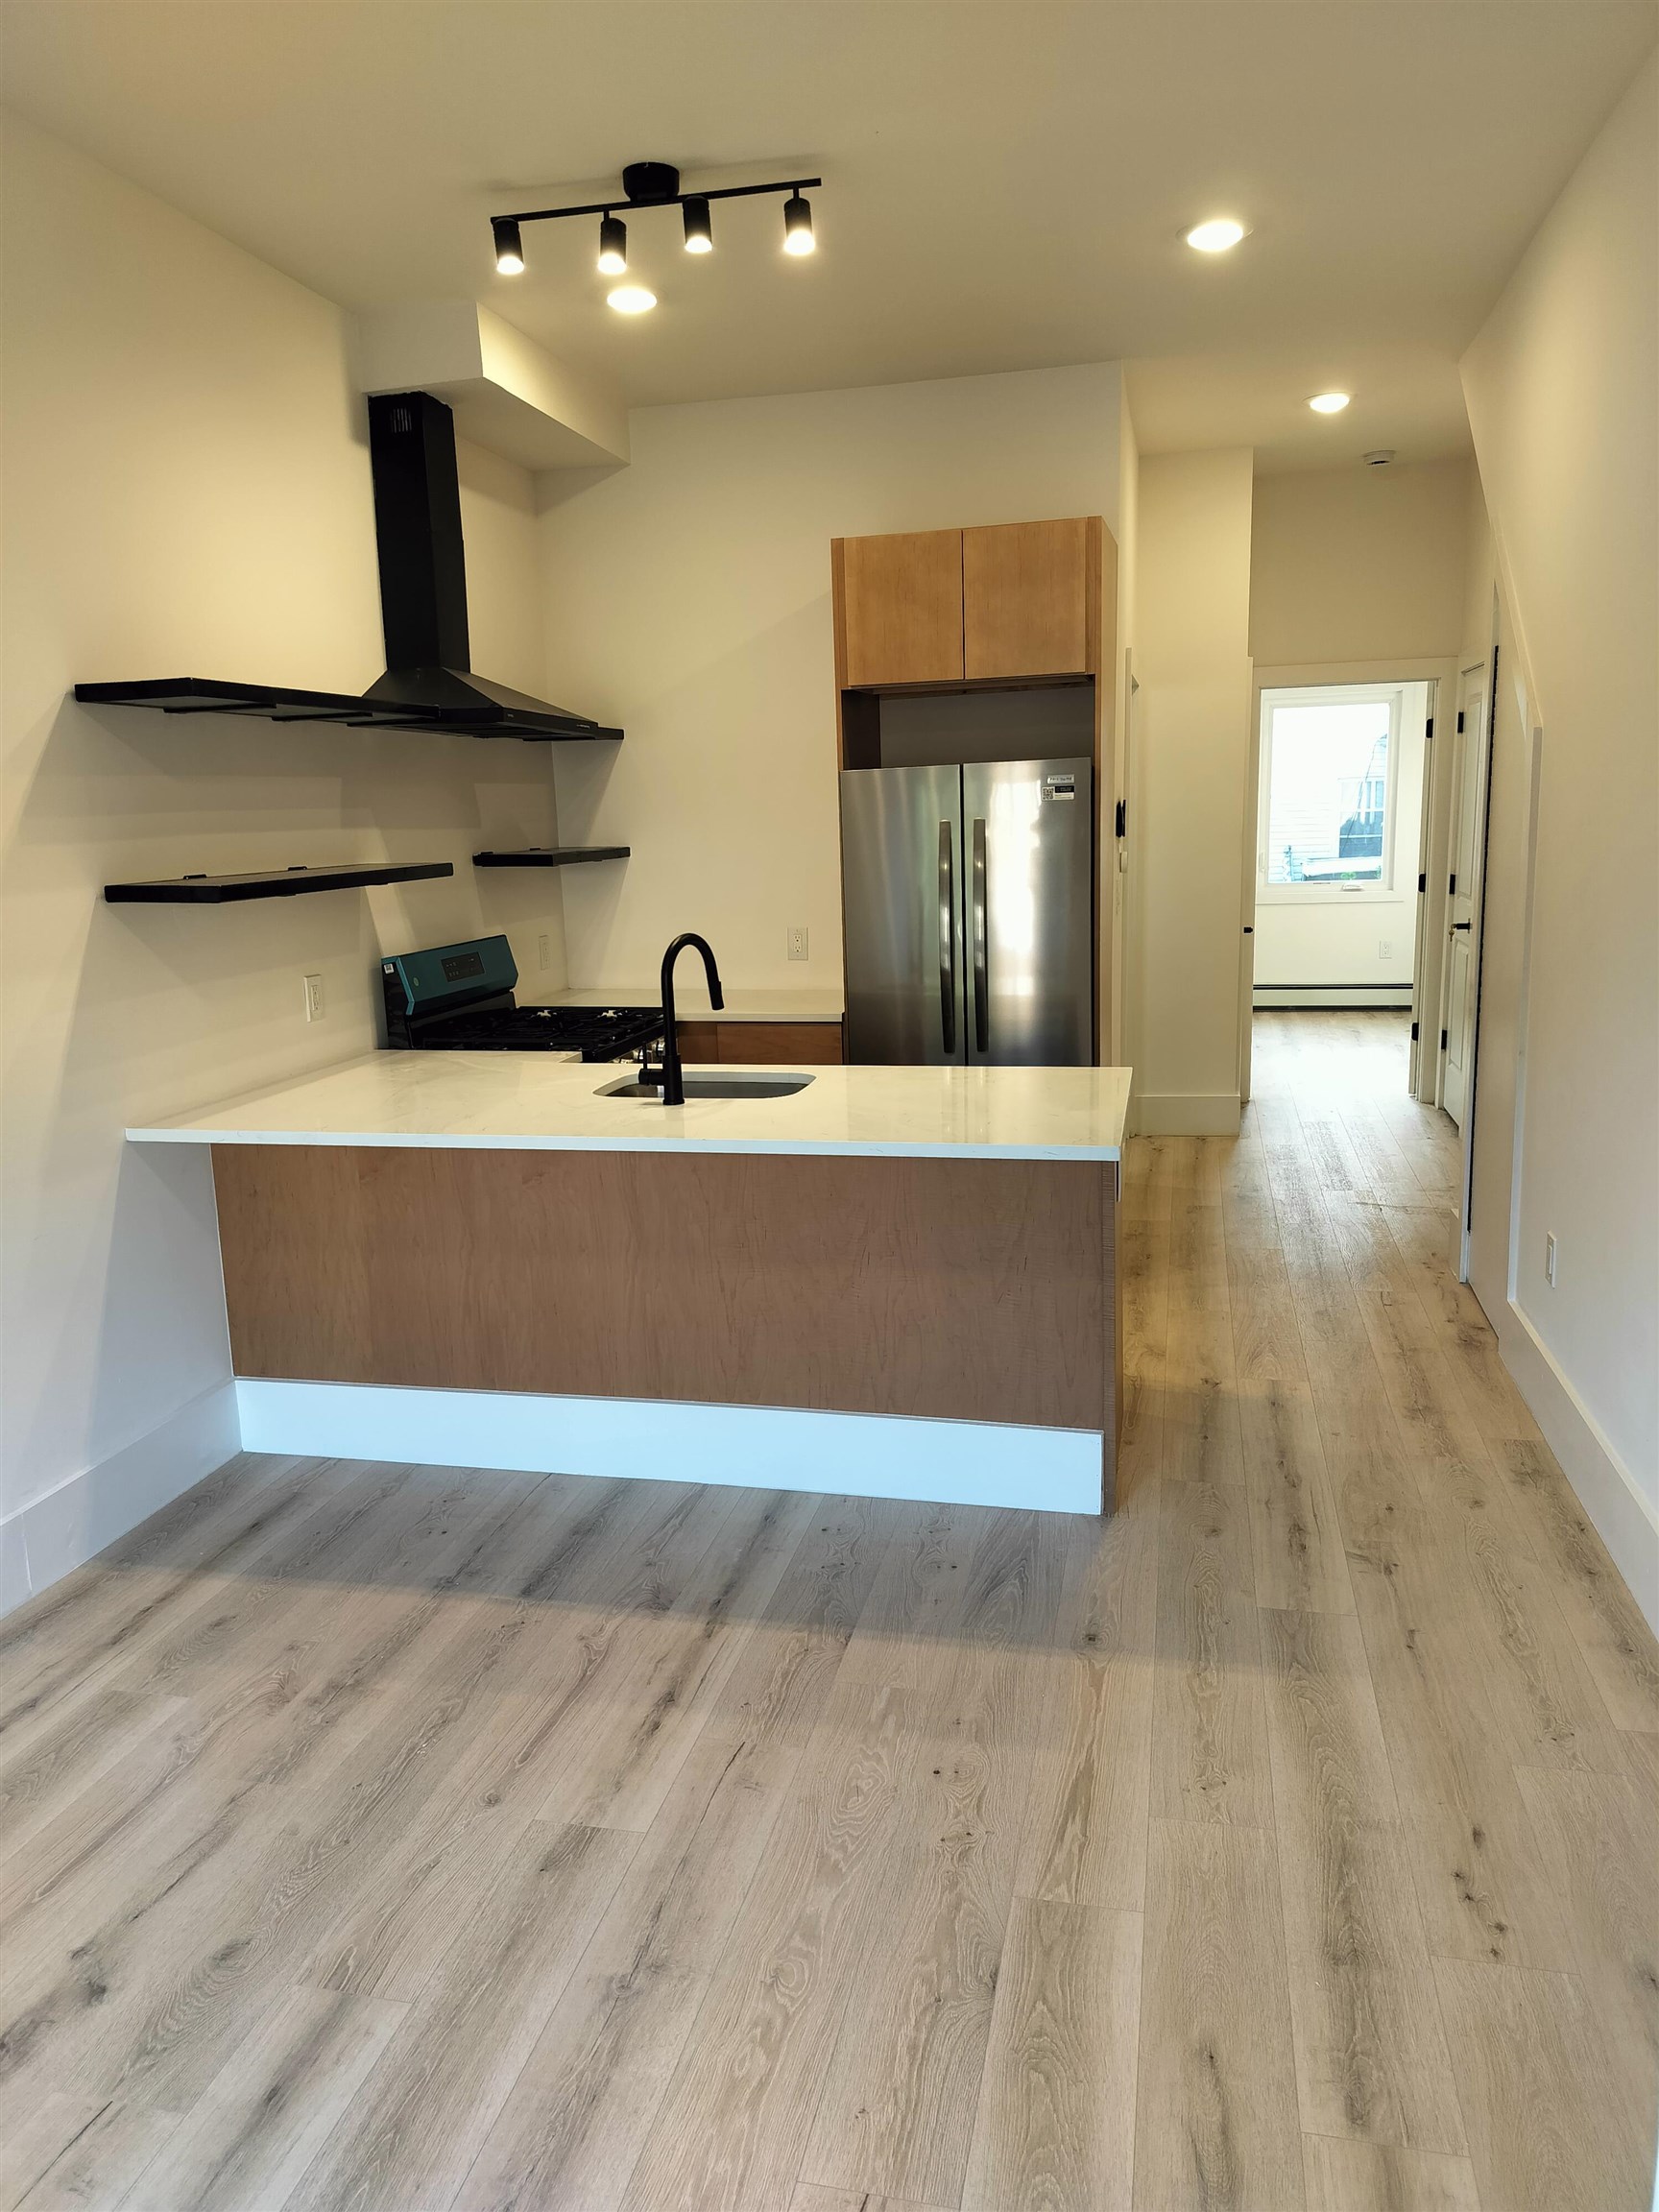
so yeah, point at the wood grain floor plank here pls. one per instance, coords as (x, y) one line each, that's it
(809, 2197)
(1055, 2127)
(1209, 1729)
(1344, 2175)
(1598, 1838)
(1217, 2121)
(407, 2140)
(252, 2134)
(618, 1759)
(1616, 1644)
(1529, 2065)
(98, 2161)
(1085, 1832)
(1480, 1881)
(499, 1703)
(895, 2111)
(734, 2127)
(1370, 2056)
(1200, 1411)
(108, 1608)
(572, 2129)
(1297, 1553)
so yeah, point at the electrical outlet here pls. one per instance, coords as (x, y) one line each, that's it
(544, 950)
(1385, 948)
(798, 942)
(313, 998)
(1550, 1259)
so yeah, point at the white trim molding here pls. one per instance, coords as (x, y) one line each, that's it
(1625, 1520)
(1186, 1114)
(752, 1447)
(49, 1537)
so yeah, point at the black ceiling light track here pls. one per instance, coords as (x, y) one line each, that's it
(655, 185)
(428, 684)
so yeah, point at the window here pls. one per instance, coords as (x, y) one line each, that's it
(1329, 774)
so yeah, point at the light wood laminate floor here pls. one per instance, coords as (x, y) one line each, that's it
(399, 1839)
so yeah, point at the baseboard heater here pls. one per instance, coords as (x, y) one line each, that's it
(1389, 994)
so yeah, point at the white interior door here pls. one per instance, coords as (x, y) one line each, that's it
(1462, 969)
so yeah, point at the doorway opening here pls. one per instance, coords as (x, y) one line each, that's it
(1339, 831)
(1336, 931)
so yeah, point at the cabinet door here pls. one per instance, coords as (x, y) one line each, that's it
(1025, 595)
(764, 1043)
(699, 1044)
(899, 615)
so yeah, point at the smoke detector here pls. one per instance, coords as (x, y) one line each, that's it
(1381, 458)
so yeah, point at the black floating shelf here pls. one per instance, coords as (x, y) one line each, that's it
(551, 857)
(272, 702)
(277, 883)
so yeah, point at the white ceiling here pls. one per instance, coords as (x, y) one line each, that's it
(1005, 180)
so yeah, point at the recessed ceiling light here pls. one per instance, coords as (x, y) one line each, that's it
(1329, 402)
(631, 299)
(1216, 236)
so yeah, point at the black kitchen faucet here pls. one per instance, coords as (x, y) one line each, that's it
(673, 1081)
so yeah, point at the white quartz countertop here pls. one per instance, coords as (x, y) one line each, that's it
(528, 1102)
(691, 1000)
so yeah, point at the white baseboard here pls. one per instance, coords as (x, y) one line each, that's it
(49, 1537)
(754, 1447)
(1625, 1520)
(1186, 1114)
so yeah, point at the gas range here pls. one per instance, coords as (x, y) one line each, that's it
(459, 999)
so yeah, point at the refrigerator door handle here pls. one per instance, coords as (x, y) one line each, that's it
(981, 956)
(947, 942)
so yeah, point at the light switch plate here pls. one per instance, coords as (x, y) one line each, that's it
(313, 998)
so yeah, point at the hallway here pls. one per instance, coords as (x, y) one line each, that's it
(425, 1837)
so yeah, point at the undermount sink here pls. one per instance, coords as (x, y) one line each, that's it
(701, 1086)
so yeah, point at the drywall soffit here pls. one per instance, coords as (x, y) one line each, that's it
(507, 394)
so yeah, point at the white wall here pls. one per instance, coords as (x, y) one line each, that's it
(187, 492)
(1359, 564)
(688, 598)
(1560, 386)
(1192, 736)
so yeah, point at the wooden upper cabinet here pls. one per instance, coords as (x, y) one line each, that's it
(898, 607)
(1031, 599)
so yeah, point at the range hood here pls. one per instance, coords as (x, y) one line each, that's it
(428, 683)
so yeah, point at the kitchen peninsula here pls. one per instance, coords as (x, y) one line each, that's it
(896, 1281)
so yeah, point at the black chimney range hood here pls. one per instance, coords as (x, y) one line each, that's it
(428, 683)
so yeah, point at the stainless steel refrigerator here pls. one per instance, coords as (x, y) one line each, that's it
(969, 913)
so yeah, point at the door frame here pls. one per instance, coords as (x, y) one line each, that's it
(1441, 678)
(1477, 950)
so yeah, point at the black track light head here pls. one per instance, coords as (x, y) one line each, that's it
(509, 247)
(612, 244)
(796, 225)
(699, 226)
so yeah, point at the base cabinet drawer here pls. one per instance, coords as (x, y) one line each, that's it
(751, 1043)
(699, 1044)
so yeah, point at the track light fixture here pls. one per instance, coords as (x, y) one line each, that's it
(798, 235)
(613, 246)
(699, 228)
(657, 184)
